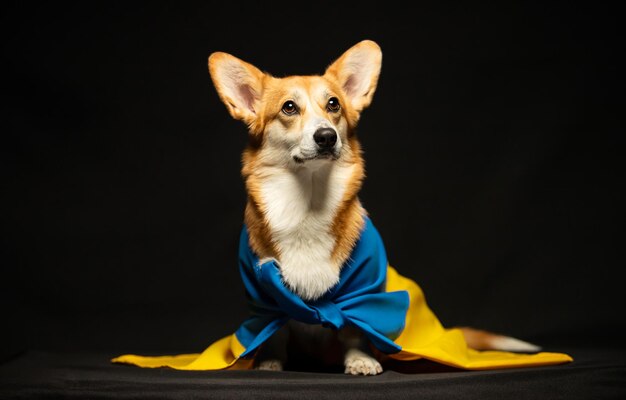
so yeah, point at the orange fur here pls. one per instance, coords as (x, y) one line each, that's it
(349, 220)
(479, 339)
(256, 98)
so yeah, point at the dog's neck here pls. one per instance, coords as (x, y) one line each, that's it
(307, 218)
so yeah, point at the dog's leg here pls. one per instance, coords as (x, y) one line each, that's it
(272, 355)
(358, 358)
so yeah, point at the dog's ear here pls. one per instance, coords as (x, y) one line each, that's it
(357, 72)
(239, 85)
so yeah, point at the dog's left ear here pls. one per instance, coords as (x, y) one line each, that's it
(357, 72)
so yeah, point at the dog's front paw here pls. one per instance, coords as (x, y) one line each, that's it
(270, 365)
(359, 363)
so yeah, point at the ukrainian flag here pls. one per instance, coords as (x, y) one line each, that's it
(388, 308)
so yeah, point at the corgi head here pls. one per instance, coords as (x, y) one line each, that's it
(300, 121)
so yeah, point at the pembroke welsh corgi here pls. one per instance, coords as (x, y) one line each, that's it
(303, 169)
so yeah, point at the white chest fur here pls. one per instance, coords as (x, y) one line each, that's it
(300, 207)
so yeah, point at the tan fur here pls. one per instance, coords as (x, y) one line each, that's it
(258, 229)
(478, 339)
(349, 220)
(262, 103)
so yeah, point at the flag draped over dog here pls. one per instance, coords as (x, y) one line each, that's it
(371, 296)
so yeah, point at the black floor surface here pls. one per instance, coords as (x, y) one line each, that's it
(597, 373)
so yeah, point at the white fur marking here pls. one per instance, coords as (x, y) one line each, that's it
(270, 365)
(507, 343)
(300, 207)
(359, 363)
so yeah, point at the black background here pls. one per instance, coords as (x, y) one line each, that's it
(494, 151)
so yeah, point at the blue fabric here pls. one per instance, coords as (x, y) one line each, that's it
(358, 299)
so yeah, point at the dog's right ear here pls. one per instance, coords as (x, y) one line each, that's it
(239, 85)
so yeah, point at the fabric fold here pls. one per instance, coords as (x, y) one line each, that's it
(388, 308)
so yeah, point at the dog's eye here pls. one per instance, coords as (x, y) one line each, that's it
(289, 108)
(333, 105)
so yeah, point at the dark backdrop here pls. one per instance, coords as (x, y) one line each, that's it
(494, 150)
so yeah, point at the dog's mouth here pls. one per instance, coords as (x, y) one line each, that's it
(323, 155)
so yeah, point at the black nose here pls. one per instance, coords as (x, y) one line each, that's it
(325, 138)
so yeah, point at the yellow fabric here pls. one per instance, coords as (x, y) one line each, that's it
(220, 355)
(422, 337)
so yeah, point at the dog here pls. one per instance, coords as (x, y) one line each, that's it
(303, 169)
